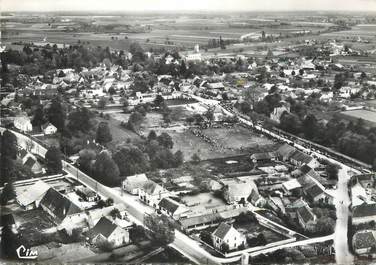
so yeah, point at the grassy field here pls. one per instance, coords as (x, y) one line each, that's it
(119, 134)
(225, 142)
(368, 116)
(237, 137)
(253, 229)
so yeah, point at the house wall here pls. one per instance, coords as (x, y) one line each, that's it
(361, 251)
(362, 220)
(119, 237)
(232, 239)
(152, 200)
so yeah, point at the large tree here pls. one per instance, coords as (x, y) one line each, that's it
(105, 169)
(9, 145)
(165, 140)
(163, 229)
(80, 120)
(135, 120)
(131, 160)
(7, 194)
(103, 135)
(56, 114)
(310, 126)
(159, 101)
(53, 160)
(38, 119)
(290, 123)
(86, 156)
(9, 243)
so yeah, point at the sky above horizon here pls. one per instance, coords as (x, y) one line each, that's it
(182, 5)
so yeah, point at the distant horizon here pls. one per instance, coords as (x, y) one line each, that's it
(117, 12)
(150, 6)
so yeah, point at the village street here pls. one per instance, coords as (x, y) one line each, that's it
(342, 202)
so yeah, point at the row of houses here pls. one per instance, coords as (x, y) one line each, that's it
(99, 223)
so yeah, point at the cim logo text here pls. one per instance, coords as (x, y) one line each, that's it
(26, 253)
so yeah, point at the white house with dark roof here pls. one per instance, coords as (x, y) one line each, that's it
(317, 194)
(48, 128)
(300, 158)
(32, 163)
(152, 193)
(172, 208)
(227, 234)
(305, 216)
(59, 207)
(107, 231)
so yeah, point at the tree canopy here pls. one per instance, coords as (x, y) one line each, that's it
(103, 135)
(53, 160)
(106, 170)
(162, 227)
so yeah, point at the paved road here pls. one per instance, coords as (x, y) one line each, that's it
(342, 202)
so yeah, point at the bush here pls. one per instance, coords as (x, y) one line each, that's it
(104, 245)
(206, 237)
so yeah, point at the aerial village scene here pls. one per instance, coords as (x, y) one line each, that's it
(188, 137)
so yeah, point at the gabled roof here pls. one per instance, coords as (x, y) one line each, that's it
(285, 150)
(152, 188)
(222, 230)
(30, 162)
(291, 184)
(306, 214)
(44, 126)
(254, 197)
(169, 205)
(364, 210)
(58, 204)
(104, 227)
(305, 169)
(22, 153)
(301, 157)
(33, 193)
(202, 219)
(297, 204)
(314, 191)
(136, 180)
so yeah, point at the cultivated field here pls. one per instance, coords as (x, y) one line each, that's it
(151, 31)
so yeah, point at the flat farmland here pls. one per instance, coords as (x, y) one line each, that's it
(367, 31)
(171, 31)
